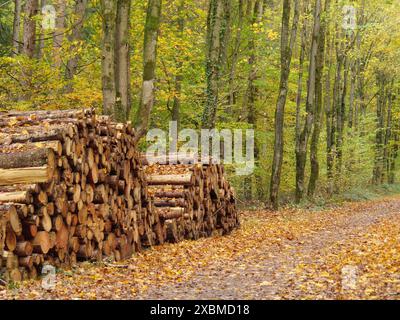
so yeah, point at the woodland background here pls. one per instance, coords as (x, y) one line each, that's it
(323, 99)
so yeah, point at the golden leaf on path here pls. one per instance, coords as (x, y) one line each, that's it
(12, 122)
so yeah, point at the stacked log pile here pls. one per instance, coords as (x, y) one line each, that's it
(71, 188)
(192, 200)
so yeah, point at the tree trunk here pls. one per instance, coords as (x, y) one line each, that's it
(30, 11)
(300, 78)
(108, 56)
(216, 33)
(149, 57)
(40, 47)
(287, 43)
(379, 136)
(235, 58)
(251, 93)
(388, 132)
(252, 90)
(58, 36)
(330, 116)
(16, 27)
(75, 38)
(352, 105)
(179, 64)
(318, 118)
(393, 159)
(301, 152)
(122, 65)
(336, 112)
(341, 118)
(360, 108)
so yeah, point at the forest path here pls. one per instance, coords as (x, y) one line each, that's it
(352, 251)
(325, 260)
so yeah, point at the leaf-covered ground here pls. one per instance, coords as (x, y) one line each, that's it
(351, 252)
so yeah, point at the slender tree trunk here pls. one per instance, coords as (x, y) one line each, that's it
(149, 57)
(301, 153)
(216, 33)
(58, 37)
(388, 132)
(379, 137)
(393, 159)
(330, 116)
(336, 112)
(122, 61)
(299, 95)
(287, 43)
(252, 90)
(17, 27)
(75, 38)
(109, 11)
(30, 11)
(40, 47)
(318, 118)
(179, 77)
(342, 119)
(361, 108)
(235, 57)
(352, 106)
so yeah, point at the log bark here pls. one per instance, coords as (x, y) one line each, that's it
(32, 158)
(25, 175)
(170, 179)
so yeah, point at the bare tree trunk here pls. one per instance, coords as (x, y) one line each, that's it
(342, 118)
(388, 132)
(252, 90)
(122, 62)
(287, 43)
(40, 47)
(58, 36)
(318, 117)
(74, 38)
(299, 95)
(380, 123)
(330, 116)
(216, 33)
(301, 152)
(393, 159)
(235, 57)
(336, 111)
(108, 56)
(149, 56)
(30, 11)
(352, 106)
(179, 77)
(16, 27)
(360, 108)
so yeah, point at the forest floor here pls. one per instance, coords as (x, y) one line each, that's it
(349, 252)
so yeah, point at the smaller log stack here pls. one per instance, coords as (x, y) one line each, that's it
(71, 188)
(192, 200)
